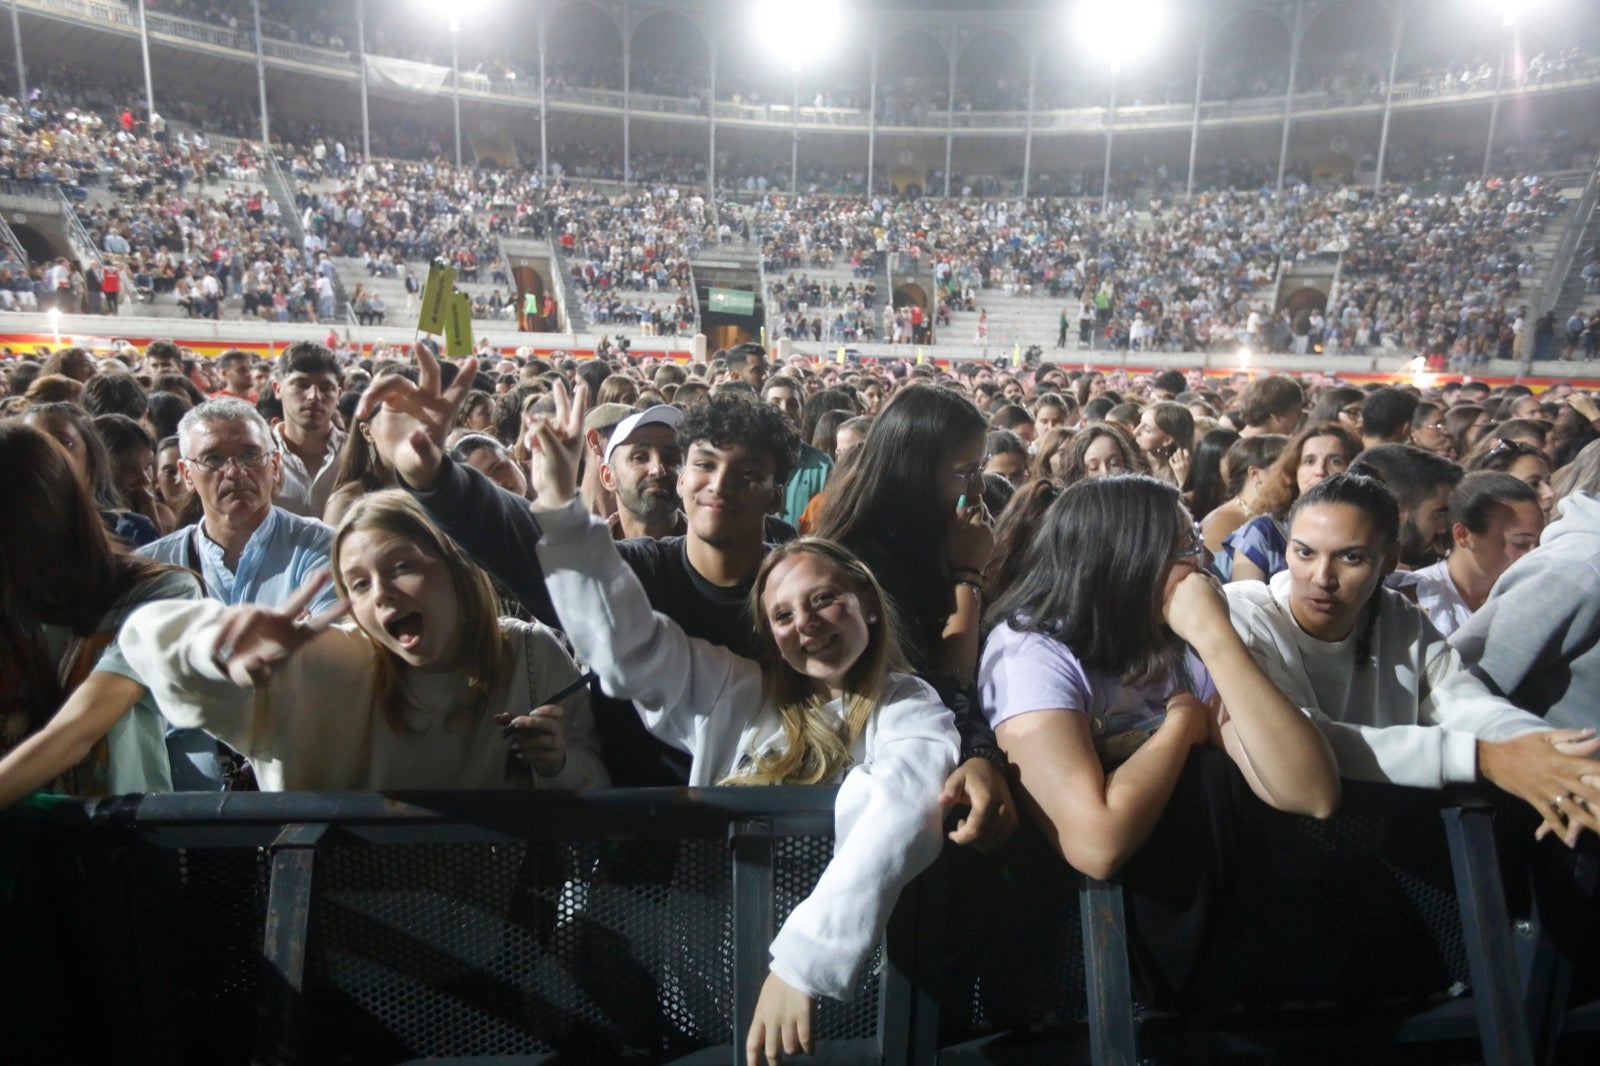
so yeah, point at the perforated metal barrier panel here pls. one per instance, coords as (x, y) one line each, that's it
(632, 927)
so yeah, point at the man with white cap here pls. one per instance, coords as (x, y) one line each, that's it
(641, 467)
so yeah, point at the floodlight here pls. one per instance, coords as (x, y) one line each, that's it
(800, 33)
(1511, 10)
(1122, 31)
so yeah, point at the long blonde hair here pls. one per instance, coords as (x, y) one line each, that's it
(817, 749)
(485, 644)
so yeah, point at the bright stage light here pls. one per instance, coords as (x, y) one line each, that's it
(1511, 11)
(1119, 33)
(799, 33)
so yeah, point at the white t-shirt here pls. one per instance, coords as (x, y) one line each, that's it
(1436, 594)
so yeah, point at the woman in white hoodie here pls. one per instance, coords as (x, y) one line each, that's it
(827, 701)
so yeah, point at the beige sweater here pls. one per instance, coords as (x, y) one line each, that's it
(314, 725)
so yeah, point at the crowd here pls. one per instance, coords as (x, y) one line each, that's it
(912, 580)
(1440, 274)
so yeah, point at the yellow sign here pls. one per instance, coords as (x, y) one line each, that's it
(840, 359)
(458, 327)
(436, 298)
(922, 357)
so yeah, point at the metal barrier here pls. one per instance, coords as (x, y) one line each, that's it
(633, 925)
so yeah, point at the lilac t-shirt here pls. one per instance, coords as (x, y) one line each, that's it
(1024, 672)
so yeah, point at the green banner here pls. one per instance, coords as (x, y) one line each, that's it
(731, 302)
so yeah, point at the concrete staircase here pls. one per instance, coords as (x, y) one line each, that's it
(1571, 296)
(842, 276)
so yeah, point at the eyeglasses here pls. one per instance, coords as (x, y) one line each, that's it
(249, 459)
(972, 473)
(1196, 550)
(1353, 411)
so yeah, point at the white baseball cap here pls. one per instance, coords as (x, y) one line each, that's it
(662, 414)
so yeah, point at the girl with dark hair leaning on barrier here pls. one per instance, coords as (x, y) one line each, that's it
(66, 587)
(1110, 660)
(429, 689)
(1392, 697)
(828, 699)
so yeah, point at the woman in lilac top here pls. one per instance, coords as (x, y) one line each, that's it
(1115, 633)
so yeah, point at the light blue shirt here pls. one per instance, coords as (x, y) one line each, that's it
(280, 555)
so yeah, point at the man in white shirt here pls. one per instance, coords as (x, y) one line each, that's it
(307, 383)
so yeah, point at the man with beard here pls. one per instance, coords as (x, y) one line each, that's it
(1421, 482)
(307, 384)
(244, 549)
(641, 469)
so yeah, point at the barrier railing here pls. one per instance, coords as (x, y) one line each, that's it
(634, 924)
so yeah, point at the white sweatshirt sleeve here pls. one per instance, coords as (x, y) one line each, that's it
(638, 653)
(888, 829)
(1421, 725)
(169, 644)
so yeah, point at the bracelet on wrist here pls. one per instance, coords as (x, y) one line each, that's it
(973, 570)
(973, 585)
(989, 754)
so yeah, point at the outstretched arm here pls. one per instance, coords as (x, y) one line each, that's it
(638, 653)
(409, 423)
(88, 714)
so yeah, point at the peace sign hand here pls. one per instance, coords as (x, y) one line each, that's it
(555, 447)
(253, 641)
(417, 417)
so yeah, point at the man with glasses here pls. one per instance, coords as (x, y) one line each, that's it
(307, 384)
(244, 549)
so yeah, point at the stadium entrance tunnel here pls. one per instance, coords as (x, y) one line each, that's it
(910, 293)
(1305, 299)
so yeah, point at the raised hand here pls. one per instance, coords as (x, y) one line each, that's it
(555, 449)
(1197, 608)
(417, 417)
(252, 641)
(971, 540)
(1179, 462)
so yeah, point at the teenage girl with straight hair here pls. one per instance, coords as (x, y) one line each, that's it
(1114, 631)
(434, 690)
(1166, 436)
(827, 699)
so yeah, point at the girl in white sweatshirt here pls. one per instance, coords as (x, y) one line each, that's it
(825, 702)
